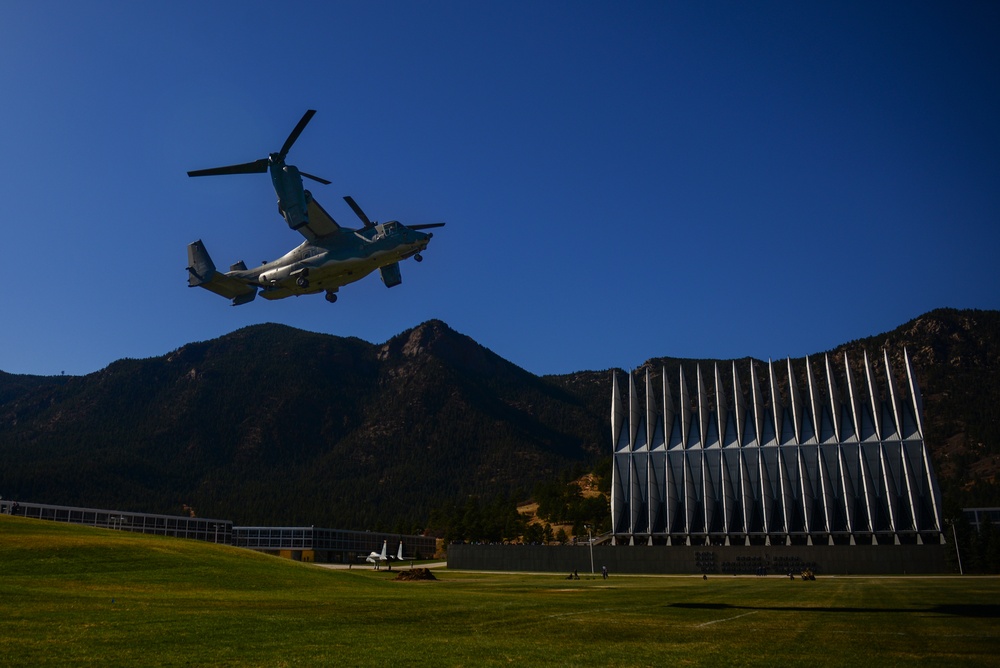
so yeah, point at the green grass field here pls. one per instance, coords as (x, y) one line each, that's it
(73, 595)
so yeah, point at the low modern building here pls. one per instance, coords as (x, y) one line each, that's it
(794, 458)
(299, 543)
(178, 526)
(977, 517)
(330, 545)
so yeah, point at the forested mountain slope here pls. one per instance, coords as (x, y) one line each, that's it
(273, 425)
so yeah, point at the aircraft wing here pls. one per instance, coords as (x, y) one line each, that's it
(321, 224)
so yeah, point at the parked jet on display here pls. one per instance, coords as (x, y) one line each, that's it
(379, 558)
(383, 557)
(331, 256)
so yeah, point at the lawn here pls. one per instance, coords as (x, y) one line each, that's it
(73, 595)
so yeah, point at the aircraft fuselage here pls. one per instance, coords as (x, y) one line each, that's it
(327, 264)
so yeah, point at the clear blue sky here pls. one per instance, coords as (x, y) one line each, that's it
(620, 180)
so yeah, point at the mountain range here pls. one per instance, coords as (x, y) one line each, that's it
(272, 425)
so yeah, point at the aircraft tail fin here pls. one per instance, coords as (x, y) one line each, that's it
(202, 273)
(200, 265)
(399, 553)
(384, 554)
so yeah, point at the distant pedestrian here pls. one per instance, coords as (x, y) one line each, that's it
(604, 572)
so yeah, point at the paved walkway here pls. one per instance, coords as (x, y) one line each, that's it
(405, 566)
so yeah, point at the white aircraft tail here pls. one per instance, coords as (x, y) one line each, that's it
(385, 556)
(399, 553)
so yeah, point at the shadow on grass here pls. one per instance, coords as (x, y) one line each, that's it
(958, 610)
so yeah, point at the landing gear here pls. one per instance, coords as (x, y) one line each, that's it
(331, 296)
(303, 280)
(418, 257)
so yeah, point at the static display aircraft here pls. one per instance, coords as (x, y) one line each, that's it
(331, 256)
(383, 557)
(379, 558)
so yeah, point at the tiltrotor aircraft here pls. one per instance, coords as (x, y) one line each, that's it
(331, 256)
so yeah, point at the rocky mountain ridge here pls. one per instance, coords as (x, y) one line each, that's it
(273, 425)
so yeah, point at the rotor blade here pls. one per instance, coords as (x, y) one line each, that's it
(425, 226)
(357, 210)
(314, 178)
(296, 132)
(256, 167)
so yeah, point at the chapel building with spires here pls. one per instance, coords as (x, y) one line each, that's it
(794, 457)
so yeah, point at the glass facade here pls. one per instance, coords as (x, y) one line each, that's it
(305, 543)
(196, 528)
(332, 545)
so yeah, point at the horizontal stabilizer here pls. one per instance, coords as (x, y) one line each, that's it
(202, 273)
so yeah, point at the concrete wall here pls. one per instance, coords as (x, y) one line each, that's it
(691, 560)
